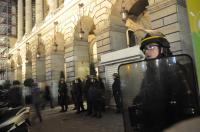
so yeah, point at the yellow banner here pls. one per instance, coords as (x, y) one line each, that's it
(193, 8)
(194, 14)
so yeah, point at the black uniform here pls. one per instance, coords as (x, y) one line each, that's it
(117, 93)
(91, 96)
(78, 95)
(62, 97)
(98, 98)
(47, 96)
(164, 98)
(86, 89)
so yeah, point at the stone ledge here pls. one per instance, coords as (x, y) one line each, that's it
(170, 19)
(157, 24)
(163, 4)
(163, 12)
(168, 29)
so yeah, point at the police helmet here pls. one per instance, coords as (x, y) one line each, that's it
(161, 41)
(115, 74)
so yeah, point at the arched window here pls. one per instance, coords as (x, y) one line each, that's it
(130, 38)
(93, 59)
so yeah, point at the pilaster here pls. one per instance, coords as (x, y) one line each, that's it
(38, 11)
(28, 15)
(54, 64)
(20, 20)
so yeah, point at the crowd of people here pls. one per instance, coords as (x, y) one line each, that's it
(91, 90)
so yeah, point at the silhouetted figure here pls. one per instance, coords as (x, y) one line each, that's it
(91, 96)
(78, 95)
(35, 91)
(62, 95)
(72, 91)
(15, 95)
(98, 98)
(117, 92)
(102, 87)
(47, 96)
(85, 90)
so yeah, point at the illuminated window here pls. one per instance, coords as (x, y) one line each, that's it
(93, 59)
(130, 38)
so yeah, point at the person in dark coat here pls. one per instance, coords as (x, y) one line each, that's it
(78, 95)
(117, 92)
(72, 92)
(101, 86)
(86, 88)
(35, 92)
(62, 95)
(47, 96)
(98, 100)
(91, 96)
(15, 94)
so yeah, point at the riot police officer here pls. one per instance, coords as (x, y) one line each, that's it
(162, 100)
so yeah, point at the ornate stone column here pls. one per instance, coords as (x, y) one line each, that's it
(20, 20)
(28, 16)
(38, 11)
(54, 65)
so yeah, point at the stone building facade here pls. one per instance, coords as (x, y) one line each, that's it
(51, 44)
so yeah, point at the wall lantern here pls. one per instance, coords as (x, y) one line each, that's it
(18, 65)
(81, 33)
(38, 55)
(124, 14)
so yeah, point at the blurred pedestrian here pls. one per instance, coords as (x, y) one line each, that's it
(27, 90)
(35, 91)
(15, 94)
(48, 96)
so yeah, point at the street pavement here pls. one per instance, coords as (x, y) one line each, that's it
(54, 121)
